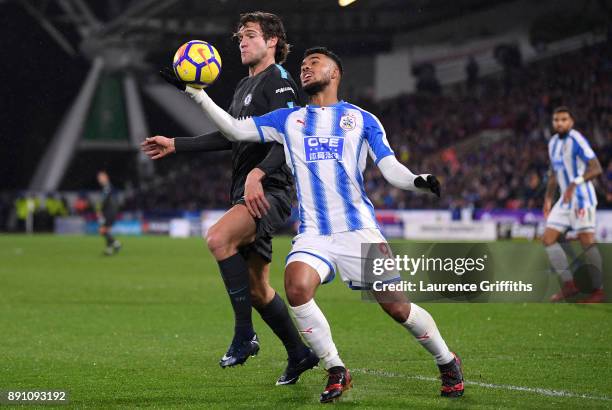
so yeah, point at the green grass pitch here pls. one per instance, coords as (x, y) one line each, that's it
(147, 327)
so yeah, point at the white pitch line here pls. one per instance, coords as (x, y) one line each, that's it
(536, 390)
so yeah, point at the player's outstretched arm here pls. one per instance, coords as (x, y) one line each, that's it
(159, 146)
(232, 128)
(401, 177)
(213, 141)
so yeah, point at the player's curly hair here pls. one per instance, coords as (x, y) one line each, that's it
(326, 52)
(271, 26)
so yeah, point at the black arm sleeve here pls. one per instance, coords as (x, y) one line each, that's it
(280, 93)
(274, 160)
(213, 141)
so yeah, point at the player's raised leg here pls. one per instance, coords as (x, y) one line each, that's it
(423, 327)
(351, 261)
(274, 312)
(234, 229)
(301, 282)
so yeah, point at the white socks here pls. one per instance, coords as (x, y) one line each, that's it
(558, 260)
(424, 329)
(314, 328)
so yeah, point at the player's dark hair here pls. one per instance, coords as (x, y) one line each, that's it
(564, 108)
(327, 52)
(271, 26)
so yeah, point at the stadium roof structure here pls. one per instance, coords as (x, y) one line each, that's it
(149, 24)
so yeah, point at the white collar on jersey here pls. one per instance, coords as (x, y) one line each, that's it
(313, 106)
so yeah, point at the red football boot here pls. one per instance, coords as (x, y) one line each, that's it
(598, 296)
(339, 380)
(452, 378)
(568, 289)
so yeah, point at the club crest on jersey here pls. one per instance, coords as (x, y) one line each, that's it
(323, 148)
(247, 99)
(348, 122)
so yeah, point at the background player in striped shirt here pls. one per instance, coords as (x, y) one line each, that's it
(573, 167)
(326, 144)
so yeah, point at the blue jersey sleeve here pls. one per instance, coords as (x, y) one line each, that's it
(376, 137)
(271, 126)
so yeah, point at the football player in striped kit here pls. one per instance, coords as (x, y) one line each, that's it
(326, 144)
(573, 167)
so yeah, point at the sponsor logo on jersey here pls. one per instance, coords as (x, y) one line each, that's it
(323, 148)
(247, 99)
(348, 122)
(284, 89)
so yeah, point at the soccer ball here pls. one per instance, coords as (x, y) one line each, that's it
(197, 63)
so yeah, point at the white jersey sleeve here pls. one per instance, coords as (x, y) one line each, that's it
(233, 129)
(397, 174)
(271, 126)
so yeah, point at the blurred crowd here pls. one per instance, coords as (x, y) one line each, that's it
(198, 182)
(506, 166)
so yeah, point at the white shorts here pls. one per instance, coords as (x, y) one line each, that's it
(563, 218)
(341, 252)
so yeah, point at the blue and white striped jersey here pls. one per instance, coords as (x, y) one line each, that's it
(569, 157)
(326, 149)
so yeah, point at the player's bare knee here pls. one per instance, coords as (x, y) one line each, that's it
(217, 241)
(298, 291)
(548, 240)
(296, 295)
(219, 244)
(586, 240)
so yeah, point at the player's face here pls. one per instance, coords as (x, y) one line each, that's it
(562, 122)
(102, 178)
(316, 73)
(252, 45)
